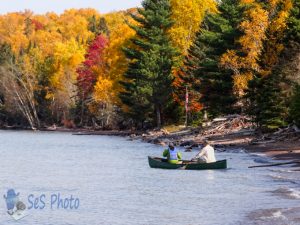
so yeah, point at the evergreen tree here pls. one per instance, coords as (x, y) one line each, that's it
(203, 73)
(295, 106)
(148, 80)
(293, 31)
(267, 99)
(98, 26)
(291, 59)
(44, 72)
(269, 96)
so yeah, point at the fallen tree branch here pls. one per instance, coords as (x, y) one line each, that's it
(276, 164)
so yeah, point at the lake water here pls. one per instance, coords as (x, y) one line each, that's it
(111, 178)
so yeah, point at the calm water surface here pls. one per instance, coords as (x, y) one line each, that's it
(111, 178)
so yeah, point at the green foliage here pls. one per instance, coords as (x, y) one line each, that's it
(148, 84)
(295, 106)
(44, 71)
(98, 26)
(174, 113)
(293, 31)
(203, 72)
(196, 119)
(6, 53)
(267, 102)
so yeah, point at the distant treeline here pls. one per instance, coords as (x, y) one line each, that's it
(133, 68)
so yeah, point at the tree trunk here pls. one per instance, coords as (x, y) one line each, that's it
(81, 113)
(205, 117)
(158, 116)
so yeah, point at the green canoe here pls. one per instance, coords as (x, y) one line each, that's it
(155, 162)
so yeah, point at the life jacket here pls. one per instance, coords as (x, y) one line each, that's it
(173, 154)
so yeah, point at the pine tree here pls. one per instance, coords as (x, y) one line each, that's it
(295, 106)
(290, 58)
(148, 80)
(268, 105)
(98, 26)
(269, 95)
(203, 73)
(290, 67)
(293, 31)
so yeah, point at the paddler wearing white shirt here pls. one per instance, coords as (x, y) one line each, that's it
(206, 154)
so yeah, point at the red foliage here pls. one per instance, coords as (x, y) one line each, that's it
(87, 75)
(179, 95)
(37, 25)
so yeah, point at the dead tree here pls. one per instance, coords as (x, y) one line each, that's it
(19, 90)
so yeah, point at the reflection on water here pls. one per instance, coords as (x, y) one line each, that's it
(112, 179)
(210, 175)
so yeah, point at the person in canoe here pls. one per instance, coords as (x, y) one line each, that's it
(172, 154)
(206, 154)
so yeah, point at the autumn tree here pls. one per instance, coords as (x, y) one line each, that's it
(260, 45)
(290, 61)
(148, 84)
(188, 16)
(203, 73)
(18, 84)
(244, 60)
(106, 104)
(270, 90)
(119, 37)
(92, 68)
(279, 12)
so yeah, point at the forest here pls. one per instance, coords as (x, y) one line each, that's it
(145, 67)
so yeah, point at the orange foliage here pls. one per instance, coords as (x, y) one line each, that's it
(259, 28)
(194, 97)
(273, 47)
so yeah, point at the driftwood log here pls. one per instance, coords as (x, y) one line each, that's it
(276, 164)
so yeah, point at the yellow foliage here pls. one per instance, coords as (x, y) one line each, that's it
(259, 26)
(46, 41)
(70, 53)
(188, 15)
(119, 36)
(230, 60)
(241, 82)
(68, 56)
(87, 13)
(252, 42)
(247, 1)
(103, 90)
(73, 25)
(273, 46)
(12, 31)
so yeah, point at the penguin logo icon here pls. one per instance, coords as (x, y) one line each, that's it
(15, 208)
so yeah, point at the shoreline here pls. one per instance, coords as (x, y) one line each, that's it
(192, 138)
(288, 149)
(76, 131)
